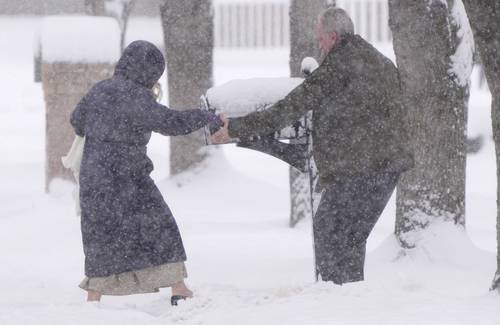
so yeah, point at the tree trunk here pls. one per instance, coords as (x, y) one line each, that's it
(485, 20)
(303, 17)
(435, 95)
(123, 20)
(188, 33)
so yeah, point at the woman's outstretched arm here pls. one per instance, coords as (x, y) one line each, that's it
(159, 118)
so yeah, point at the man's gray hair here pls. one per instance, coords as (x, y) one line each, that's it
(336, 20)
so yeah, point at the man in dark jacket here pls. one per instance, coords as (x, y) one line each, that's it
(359, 142)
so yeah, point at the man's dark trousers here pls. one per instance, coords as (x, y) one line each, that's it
(346, 215)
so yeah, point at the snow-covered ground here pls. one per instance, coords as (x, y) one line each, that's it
(245, 265)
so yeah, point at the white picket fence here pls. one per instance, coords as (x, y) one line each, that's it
(370, 18)
(244, 23)
(248, 24)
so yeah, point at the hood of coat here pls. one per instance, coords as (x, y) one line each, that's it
(141, 62)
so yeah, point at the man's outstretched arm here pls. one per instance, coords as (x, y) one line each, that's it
(305, 97)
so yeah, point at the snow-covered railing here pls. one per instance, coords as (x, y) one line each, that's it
(370, 17)
(245, 23)
(266, 23)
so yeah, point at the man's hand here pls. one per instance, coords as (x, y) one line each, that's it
(221, 136)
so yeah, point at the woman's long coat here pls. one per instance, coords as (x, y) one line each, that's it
(126, 224)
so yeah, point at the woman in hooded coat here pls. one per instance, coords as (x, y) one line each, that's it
(131, 241)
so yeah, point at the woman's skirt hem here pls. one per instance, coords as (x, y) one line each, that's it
(148, 280)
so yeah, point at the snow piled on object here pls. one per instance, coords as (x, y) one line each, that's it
(240, 97)
(463, 59)
(436, 245)
(80, 39)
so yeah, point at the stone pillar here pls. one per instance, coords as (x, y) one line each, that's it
(76, 52)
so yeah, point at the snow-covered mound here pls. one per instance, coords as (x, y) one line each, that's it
(240, 97)
(80, 39)
(436, 245)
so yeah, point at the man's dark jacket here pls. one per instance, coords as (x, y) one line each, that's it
(126, 224)
(358, 126)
